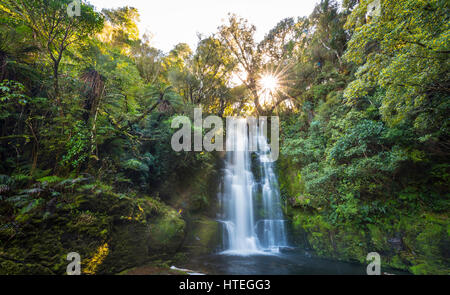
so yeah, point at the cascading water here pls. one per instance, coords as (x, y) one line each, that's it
(245, 232)
(273, 225)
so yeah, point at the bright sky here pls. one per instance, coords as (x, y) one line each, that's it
(175, 21)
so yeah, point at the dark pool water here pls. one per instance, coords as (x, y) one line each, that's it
(288, 263)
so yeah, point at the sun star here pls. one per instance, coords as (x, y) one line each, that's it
(269, 83)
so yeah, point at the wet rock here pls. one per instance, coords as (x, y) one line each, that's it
(203, 236)
(396, 243)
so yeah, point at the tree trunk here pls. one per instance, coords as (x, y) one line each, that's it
(56, 88)
(254, 90)
(2, 66)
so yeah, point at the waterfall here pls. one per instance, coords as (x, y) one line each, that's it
(251, 210)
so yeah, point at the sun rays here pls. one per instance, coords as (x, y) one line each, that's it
(268, 83)
(273, 85)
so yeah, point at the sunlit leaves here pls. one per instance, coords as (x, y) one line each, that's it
(405, 51)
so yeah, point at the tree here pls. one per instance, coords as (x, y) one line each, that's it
(279, 44)
(148, 60)
(15, 53)
(280, 49)
(213, 66)
(53, 29)
(121, 28)
(404, 51)
(328, 25)
(238, 37)
(202, 78)
(177, 69)
(94, 88)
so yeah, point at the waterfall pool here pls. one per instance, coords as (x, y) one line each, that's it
(293, 262)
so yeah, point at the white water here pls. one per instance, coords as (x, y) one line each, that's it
(245, 232)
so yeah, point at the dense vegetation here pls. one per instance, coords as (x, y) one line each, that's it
(370, 144)
(86, 106)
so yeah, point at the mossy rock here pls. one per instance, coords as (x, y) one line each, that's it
(127, 247)
(111, 233)
(8, 267)
(419, 245)
(203, 237)
(166, 233)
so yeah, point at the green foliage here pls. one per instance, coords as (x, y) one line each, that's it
(77, 146)
(373, 148)
(421, 249)
(50, 179)
(12, 90)
(403, 50)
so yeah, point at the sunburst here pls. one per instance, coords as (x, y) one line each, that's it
(269, 83)
(273, 85)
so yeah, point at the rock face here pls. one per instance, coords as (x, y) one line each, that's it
(204, 237)
(111, 233)
(166, 233)
(418, 246)
(196, 200)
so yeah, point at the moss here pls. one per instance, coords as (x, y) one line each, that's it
(378, 238)
(317, 233)
(397, 262)
(110, 233)
(203, 238)
(424, 269)
(167, 232)
(290, 179)
(350, 245)
(91, 265)
(422, 245)
(8, 267)
(128, 247)
(427, 239)
(418, 243)
(194, 197)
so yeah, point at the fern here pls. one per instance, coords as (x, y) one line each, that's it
(32, 191)
(135, 165)
(18, 201)
(38, 173)
(32, 205)
(5, 179)
(65, 182)
(21, 179)
(73, 182)
(6, 183)
(50, 179)
(4, 188)
(86, 188)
